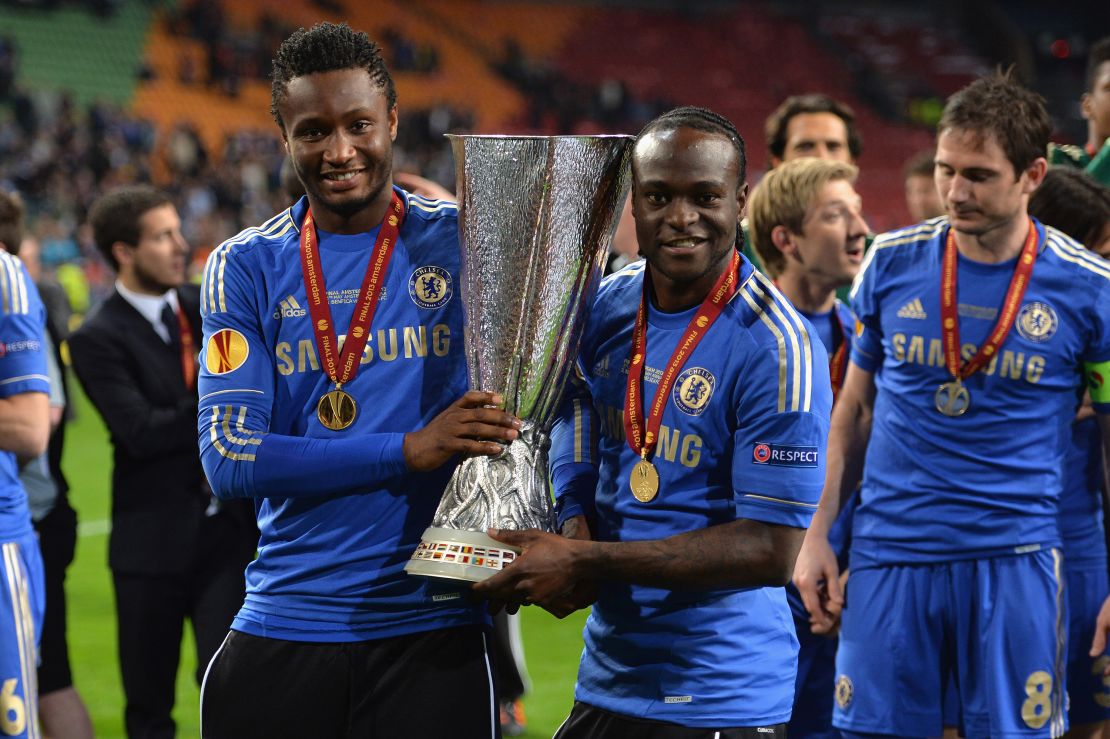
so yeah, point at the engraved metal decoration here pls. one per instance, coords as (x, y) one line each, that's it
(536, 217)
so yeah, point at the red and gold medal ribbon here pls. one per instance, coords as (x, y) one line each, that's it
(188, 353)
(341, 367)
(950, 322)
(837, 362)
(643, 441)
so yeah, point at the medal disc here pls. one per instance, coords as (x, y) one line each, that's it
(952, 399)
(336, 410)
(644, 481)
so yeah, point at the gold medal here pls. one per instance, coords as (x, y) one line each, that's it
(644, 481)
(336, 410)
(952, 399)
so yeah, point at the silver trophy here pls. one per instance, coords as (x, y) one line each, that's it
(536, 217)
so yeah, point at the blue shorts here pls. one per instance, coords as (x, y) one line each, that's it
(813, 687)
(1088, 690)
(22, 601)
(997, 627)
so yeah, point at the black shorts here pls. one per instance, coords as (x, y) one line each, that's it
(57, 539)
(589, 722)
(429, 684)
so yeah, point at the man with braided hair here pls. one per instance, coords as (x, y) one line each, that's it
(686, 465)
(332, 350)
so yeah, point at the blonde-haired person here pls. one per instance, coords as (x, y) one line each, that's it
(808, 230)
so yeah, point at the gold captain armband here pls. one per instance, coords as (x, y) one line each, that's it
(1098, 380)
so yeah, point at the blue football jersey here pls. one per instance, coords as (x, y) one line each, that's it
(742, 437)
(22, 370)
(937, 487)
(331, 554)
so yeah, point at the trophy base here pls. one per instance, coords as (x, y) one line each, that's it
(454, 554)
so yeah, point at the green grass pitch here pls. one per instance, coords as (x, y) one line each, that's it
(552, 647)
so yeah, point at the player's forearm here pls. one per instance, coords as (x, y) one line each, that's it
(849, 432)
(25, 424)
(741, 553)
(243, 464)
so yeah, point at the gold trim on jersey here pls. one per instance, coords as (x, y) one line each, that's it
(224, 424)
(781, 500)
(1060, 666)
(13, 287)
(25, 638)
(760, 294)
(213, 298)
(429, 205)
(1077, 255)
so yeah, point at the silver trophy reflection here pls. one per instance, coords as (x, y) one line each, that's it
(536, 217)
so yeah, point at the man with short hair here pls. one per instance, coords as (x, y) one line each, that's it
(922, 199)
(333, 347)
(1094, 156)
(175, 553)
(812, 125)
(692, 454)
(808, 230)
(972, 334)
(24, 433)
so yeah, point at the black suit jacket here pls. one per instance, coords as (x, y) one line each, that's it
(159, 492)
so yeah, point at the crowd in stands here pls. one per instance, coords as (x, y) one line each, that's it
(61, 155)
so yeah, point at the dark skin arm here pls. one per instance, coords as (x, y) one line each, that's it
(740, 553)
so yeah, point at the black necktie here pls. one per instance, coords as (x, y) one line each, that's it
(169, 320)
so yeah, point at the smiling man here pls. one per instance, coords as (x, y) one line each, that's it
(707, 397)
(332, 352)
(974, 331)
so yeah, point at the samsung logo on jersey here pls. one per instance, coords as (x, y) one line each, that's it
(780, 455)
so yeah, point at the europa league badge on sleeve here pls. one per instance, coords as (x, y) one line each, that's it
(536, 217)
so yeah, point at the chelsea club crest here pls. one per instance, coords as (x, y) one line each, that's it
(1037, 322)
(693, 389)
(430, 287)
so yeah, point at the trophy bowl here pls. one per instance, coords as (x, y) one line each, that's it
(536, 217)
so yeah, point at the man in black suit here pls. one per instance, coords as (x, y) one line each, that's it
(175, 551)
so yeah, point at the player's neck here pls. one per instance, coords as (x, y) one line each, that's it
(1000, 244)
(360, 221)
(671, 296)
(1095, 139)
(808, 293)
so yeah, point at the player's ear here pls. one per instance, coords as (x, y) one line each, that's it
(123, 252)
(393, 123)
(742, 197)
(1033, 175)
(1086, 106)
(783, 240)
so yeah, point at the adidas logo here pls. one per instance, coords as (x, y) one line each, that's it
(289, 308)
(913, 309)
(601, 369)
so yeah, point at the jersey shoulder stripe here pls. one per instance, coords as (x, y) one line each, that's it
(1071, 251)
(13, 286)
(791, 339)
(917, 234)
(427, 205)
(212, 285)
